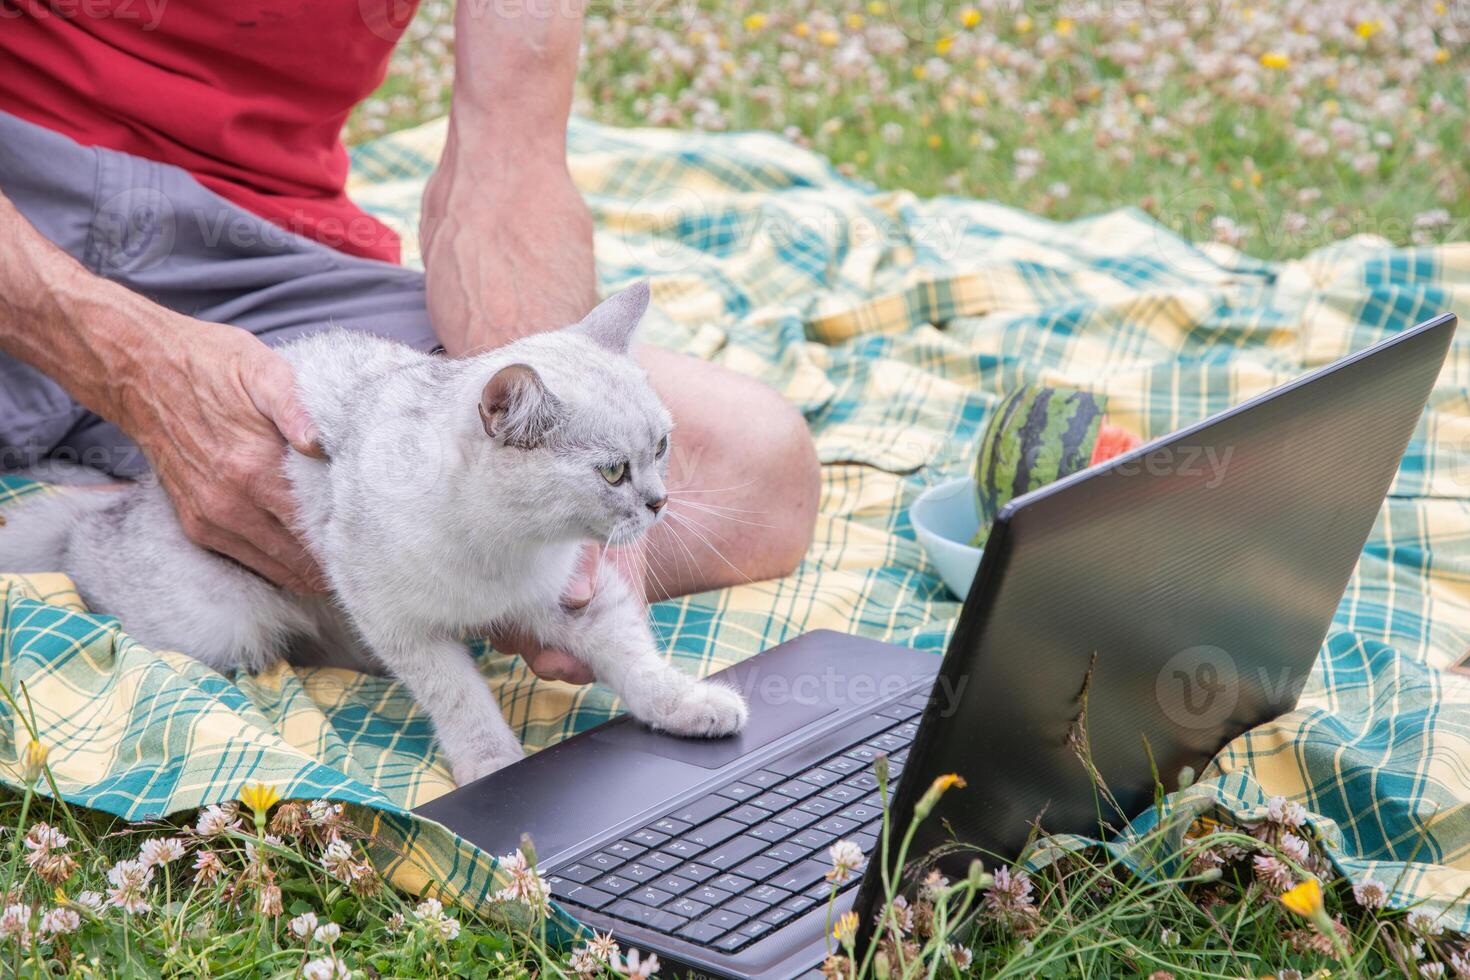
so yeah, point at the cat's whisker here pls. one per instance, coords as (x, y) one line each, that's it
(716, 513)
(691, 563)
(738, 486)
(684, 520)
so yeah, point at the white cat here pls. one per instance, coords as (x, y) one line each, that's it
(456, 498)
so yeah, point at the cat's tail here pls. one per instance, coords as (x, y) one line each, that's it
(35, 535)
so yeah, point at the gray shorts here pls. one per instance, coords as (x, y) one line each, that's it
(156, 230)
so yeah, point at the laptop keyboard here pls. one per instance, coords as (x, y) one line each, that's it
(725, 869)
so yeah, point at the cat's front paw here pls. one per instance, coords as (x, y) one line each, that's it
(469, 770)
(704, 710)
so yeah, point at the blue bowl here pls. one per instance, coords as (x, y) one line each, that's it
(945, 520)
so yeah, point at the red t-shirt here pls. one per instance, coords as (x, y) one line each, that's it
(249, 96)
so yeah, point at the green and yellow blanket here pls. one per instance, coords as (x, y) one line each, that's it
(896, 325)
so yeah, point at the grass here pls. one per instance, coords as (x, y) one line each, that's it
(1274, 127)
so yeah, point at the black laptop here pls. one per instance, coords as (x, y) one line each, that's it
(1197, 596)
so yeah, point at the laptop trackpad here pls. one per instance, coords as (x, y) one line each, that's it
(768, 722)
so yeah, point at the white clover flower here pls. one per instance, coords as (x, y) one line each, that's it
(847, 857)
(15, 923)
(216, 819)
(160, 850)
(526, 886)
(583, 963)
(91, 900)
(129, 880)
(961, 955)
(639, 968)
(325, 968)
(303, 925)
(328, 933)
(429, 908)
(338, 860)
(60, 921)
(603, 946)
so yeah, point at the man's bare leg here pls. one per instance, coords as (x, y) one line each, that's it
(743, 481)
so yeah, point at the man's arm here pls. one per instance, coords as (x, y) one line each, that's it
(206, 403)
(507, 239)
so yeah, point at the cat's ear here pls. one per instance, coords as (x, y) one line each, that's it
(517, 409)
(612, 323)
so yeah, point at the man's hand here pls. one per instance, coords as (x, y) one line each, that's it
(213, 415)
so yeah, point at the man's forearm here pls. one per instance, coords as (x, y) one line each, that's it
(79, 329)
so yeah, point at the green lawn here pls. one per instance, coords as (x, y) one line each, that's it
(1273, 126)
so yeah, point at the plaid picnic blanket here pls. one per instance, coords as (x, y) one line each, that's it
(895, 324)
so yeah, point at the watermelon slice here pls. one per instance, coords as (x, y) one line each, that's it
(1037, 435)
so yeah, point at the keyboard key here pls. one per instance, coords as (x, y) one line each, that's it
(906, 732)
(604, 862)
(616, 884)
(657, 919)
(812, 839)
(755, 929)
(746, 814)
(772, 802)
(739, 791)
(801, 876)
(798, 789)
(821, 778)
(732, 883)
(798, 903)
(577, 894)
(639, 872)
(764, 779)
(710, 895)
(710, 834)
(788, 853)
(822, 890)
(842, 764)
(732, 852)
(746, 908)
(864, 781)
(777, 915)
(648, 838)
(650, 896)
(683, 848)
(864, 755)
(818, 806)
(866, 841)
(731, 942)
(627, 850)
(843, 794)
(899, 712)
(662, 862)
(838, 826)
(696, 872)
(687, 907)
(698, 932)
(579, 872)
(767, 894)
(759, 868)
(724, 920)
(770, 831)
(673, 884)
(862, 813)
(670, 826)
(700, 810)
(795, 819)
(888, 742)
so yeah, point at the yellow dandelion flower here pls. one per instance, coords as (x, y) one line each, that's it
(855, 22)
(1304, 899)
(1247, 14)
(1237, 184)
(33, 763)
(970, 17)
(1256, 178)
(920, 72)
(1023, 24)
(828, 39)
(1064, 26)
(1330, 106)
(978, 98)
(935, 142)
(260, 798)
(943, 45)
(1441, 55)
(802, 29)
(1275, 60)
(755, 22)
(1367, 28)
(846, 928)
(1439, 9)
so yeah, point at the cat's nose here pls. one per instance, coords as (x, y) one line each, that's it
(658, 505)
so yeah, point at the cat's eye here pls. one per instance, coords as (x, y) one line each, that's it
(661, 448)
(615, 473)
